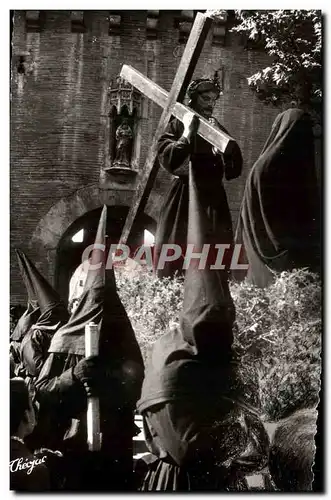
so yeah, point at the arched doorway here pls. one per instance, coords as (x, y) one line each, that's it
(81, 233)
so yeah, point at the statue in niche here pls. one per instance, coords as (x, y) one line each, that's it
(123, 148)
(122, 126)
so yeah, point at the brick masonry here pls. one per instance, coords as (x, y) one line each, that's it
(58, 118)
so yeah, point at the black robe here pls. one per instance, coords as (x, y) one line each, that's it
(117, 383)
(174, 154)
(278, 224)
(201, 438)
(65, 399)
(33, 353)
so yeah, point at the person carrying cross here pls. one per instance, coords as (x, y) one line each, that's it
(179, 146)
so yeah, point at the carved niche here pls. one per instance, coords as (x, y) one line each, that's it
(123, 120)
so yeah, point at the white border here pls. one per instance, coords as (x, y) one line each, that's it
(4, 198)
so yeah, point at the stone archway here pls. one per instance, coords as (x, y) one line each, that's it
(69, 253)
(65, 218)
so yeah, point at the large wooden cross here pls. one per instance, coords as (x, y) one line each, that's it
(172, 105)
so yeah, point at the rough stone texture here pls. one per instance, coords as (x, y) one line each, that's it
(58, 119)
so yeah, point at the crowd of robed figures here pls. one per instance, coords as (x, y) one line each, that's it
(200, 432)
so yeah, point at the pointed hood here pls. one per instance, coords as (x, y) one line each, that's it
(37, 286)
(99, 303)
(208, 310)
(53, 312)
(194, 361)
(27, 269)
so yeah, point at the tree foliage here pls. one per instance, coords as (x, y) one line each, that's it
(277, 334)
(293, 39)
(278, 337)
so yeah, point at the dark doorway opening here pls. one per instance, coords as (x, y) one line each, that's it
(83, 230)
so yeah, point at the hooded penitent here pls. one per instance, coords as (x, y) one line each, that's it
(116, 380)
(278, 222)
(100, 304)
(193, 361)
(201, 434)
(51, 314)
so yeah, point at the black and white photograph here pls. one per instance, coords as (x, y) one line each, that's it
(166, 175)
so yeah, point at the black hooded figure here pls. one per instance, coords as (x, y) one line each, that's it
(28, 318)
(176, 151)
(114, 376)
(45, 314)
(279, 217)
(36, 329)
(200, 437)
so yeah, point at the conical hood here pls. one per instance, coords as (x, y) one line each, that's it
(37, 286)
(208, 309)
(194, 362)
(100, 304)
(53, 312)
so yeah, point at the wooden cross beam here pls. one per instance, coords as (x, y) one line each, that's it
(214, 136)
(171, 105)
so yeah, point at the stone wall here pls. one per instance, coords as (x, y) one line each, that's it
(60, 78)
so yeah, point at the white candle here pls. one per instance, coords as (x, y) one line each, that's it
(93, 409)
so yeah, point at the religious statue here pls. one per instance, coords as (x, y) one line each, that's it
(124, 138)
(180, 146)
